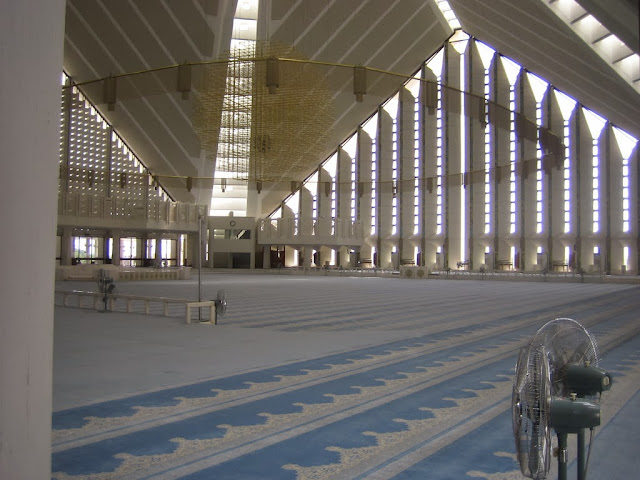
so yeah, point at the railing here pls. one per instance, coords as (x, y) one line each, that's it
(91, 272)
(167, 307)
(323, 231)
(82, 206)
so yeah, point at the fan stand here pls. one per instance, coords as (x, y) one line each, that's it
(573, 416)
(563, 455)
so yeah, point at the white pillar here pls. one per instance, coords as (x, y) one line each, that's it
(386, 238)
(406, 187)
(432, 237)
(31, 34)
(475, 132)
(453, 193)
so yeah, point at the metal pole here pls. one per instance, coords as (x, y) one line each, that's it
(199, 265)
(562, 456)
(581, 459)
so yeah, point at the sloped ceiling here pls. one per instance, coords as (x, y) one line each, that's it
(111, 37)
(530, 33)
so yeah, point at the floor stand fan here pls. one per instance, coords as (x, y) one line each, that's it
(555, 387)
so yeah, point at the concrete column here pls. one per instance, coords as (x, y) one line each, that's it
(66, 246)
(453, 191)
(407, 174)
(324, 198)
(192, 249)
(386, 237)
(558, 241)
(305, 217)
(544, 260)
(179, 251)
(476, 122)
(115, 254)
(527, 137)
(106, 255)
(499, 117)
(266, 256)
(307, 256)
(31, 35)
(343, 184)
(619, 239)
(158, 255)
(432, 237)
(365, 187)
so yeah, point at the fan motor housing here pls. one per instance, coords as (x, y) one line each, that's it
(585, 380)
(573, 416)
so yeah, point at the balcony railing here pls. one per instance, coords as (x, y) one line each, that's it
(323, 231)
(79, 209)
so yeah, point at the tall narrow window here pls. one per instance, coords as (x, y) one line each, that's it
(311, 184)
(414, 87)
(459, 41)
(394, 178)
(538, 87)
(371, 128)
(626, 143)
(331, 166)
(234, 140)
(512, 70)
(435, 64)
(391, 107)
(416, 166)
(439, 160)
(350, 147)
(486, 55)
(567, 105)
(354, 187)
(293, 202)
(595, 124)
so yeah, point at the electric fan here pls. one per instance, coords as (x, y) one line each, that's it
(105, 286)
(221, 305)
(556, 381)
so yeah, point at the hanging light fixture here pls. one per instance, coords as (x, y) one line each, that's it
(110, 92)
(273, 74)
(430, 96)
(359, 82)
(184, 80)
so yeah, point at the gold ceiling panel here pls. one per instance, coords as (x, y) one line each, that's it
(258, 135)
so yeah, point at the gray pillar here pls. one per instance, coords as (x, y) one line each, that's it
(266, 258)
(192, 250)
(158, 259)
(31, 35)
(66, 246)
(179, 251)
(115, 254)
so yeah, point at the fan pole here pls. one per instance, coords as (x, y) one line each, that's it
(562, 456)
(581, 462)
(200, 266)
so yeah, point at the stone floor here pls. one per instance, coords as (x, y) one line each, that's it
(326, 378)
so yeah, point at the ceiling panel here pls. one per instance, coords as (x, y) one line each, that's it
(530, 33)
(123, 36)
